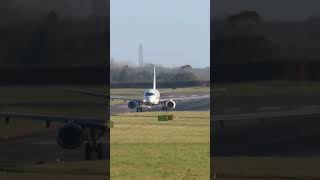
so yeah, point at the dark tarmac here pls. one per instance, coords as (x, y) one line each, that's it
(294, 136)
(37, 150)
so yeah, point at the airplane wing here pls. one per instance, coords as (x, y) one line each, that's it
(185, 98)
(126, 99)
(88, 122)
(87, 93)
(102, 95)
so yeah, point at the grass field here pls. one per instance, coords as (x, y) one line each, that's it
(270, 88)
(271, 95)
(144, 148)
(275, 168)
(226, 168)
(141, 148)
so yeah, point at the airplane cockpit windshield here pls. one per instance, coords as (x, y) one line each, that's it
(149, 94)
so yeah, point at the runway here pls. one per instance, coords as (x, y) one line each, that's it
(188, 105)
(284, 133)
(37, 150)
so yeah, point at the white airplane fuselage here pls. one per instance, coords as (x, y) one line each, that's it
(151, 97)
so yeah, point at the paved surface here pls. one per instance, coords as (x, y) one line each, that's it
(36, 150)
(286, 133)
(188, 105)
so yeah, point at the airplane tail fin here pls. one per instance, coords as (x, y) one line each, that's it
(154, 77)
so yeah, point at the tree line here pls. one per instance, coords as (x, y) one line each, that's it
(122, 73)
(52, 39)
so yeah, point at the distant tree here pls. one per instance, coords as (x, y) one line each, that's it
(5, 7)
(245, 21)
(186, 67)
(245, 17)
(165, 77)
(38, 46)
(42, 46)
(123, 74)
(52, 18)
(143, 76)
(186, 76)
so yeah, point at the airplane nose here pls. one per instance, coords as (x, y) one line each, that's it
(149, 99)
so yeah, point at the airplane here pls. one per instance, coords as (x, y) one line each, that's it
(151, 97)
(75, 132)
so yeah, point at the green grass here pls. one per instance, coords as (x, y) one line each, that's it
(275, 168)
(226, 168)
(144, 148)
(272, 95)
(270, 88)
(141, 148)
(34, 93)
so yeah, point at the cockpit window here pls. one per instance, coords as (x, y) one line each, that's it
(149, 94)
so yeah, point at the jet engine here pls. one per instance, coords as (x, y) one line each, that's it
(171, 104)
(71, 136)
(132, 104)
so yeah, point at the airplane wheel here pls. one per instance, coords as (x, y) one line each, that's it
(88, 151)
(140, 109)
(100, 151)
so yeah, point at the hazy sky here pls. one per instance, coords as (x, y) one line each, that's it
(173, 32)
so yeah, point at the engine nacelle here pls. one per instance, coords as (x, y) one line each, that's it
(132, 104)
(71, 136)
(171, 104)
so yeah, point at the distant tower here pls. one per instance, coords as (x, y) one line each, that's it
(140, 55)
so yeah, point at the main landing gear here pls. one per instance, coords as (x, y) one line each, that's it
(139, 109)
(92, 146)
(164, 108)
